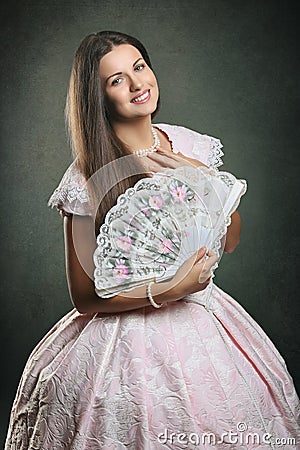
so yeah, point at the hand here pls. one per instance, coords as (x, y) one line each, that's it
(166, 159)
(194, 274)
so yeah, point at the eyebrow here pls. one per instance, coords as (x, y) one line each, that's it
(120, 73)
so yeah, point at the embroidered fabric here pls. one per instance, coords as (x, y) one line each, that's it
(71, 195)
(127, 381)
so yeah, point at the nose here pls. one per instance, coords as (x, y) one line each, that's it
(136, 83)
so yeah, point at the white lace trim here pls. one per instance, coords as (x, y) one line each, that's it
(214, 158)
(71, 195)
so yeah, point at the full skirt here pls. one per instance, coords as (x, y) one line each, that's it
(196, 373)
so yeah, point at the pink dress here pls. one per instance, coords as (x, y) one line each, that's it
(189, 375)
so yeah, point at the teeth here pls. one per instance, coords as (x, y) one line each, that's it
(142, 97)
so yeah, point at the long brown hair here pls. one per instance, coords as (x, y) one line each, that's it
(93, 141)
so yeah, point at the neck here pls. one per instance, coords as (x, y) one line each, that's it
(136, 134)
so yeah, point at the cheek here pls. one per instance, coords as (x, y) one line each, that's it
(154, 82)
(116, 98)
(155, 89)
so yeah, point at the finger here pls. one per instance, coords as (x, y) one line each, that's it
(154, 157)
(196, 257)
(164, 150)
(167, 153)
(205, 267)
(204, 273)
(178, 157)
(163, 153)
(210, 253)
(165, 160)
(192, 260)
(166, 163)
(152, 166)
(200, 253)
(210, 261)
(157, 156)
(157, 169)
(204, 283)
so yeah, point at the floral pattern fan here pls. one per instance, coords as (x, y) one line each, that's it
(160, 222)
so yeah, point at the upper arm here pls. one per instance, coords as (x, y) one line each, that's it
(80, 244)
(233, 233)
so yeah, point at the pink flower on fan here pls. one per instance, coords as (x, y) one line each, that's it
(165, 246)
(179, 192)
(120, 271)
(124, 243)
(146, 212)
(156, 201)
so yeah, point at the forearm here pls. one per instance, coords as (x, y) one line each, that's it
(80, 269)
(162, 293)
(79, 272)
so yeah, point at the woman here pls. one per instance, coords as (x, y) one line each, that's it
(145, 369)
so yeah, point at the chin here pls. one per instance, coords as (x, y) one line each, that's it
(134, 113)
(149, 110)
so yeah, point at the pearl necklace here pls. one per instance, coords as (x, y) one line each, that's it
(153, 148)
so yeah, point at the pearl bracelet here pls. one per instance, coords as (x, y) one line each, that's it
(149, 295)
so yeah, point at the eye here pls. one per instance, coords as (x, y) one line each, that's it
(114, 82)
(140, 65)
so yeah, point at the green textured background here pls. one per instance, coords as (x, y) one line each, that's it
(225, 68)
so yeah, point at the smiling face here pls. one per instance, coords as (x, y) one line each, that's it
(128, 83)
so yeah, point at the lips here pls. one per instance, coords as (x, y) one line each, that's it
(147, 91)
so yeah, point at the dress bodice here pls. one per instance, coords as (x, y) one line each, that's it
(71, 195)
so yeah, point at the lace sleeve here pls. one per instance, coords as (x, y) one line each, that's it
(71, 195)
(215, 153)
(203, 147)
(208, 149)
